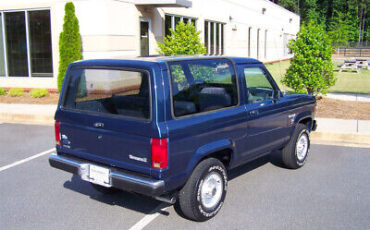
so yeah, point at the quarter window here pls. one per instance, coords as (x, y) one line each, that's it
(202, 85)
(119, 92)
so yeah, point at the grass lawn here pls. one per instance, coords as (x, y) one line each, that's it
(348, 82)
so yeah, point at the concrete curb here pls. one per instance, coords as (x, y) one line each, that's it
(346, 139)
(27, 118)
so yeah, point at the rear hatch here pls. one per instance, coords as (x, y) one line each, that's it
(105, 117)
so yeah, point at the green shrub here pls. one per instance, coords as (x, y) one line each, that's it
(69, 42)
(16, 92)
(183, 41)
(2, 91)
(311, 69)
(38, 93)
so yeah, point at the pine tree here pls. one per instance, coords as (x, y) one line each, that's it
(69, 42)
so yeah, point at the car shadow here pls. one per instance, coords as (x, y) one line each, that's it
(273, 158)
(147, 205)
(136, 202)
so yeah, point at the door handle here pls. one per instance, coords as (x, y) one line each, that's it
(99, 125)
(253, 113)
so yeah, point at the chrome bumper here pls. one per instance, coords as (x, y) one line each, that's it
(121, 180)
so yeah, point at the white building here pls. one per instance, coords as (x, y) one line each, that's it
(29, 32)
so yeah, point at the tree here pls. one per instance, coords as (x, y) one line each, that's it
(69, 42)
(291, 5)
(183, 41)
(353, 19)
(342, 29)
(311, 69)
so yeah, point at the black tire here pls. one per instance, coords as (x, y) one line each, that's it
(290, 156)
(190, 197)
(104, 190)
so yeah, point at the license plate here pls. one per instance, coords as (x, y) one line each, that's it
(99, 175)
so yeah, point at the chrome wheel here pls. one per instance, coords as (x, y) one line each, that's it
(211, 190)
(302, 147)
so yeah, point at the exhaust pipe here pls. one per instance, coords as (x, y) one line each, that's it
(170, 199)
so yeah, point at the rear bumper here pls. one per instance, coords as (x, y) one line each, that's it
(122, 180)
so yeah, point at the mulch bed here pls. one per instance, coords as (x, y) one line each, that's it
(354, 110)
(327, 108)
(27, 99)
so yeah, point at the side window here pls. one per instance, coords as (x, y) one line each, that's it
(107, 91)
(202, 85)
(221, 73)
(258, 86)
(179, 81)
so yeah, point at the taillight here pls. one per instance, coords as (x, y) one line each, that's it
(159, 153)
(57, 132)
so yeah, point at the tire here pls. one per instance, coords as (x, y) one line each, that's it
(295, 153)
(198, 201)
(104, 190)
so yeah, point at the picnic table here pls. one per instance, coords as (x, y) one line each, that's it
(351, 65)
(362, 63)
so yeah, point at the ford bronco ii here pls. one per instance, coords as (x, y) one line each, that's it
(171, 127)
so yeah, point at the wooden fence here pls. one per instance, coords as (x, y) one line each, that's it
(352, 52)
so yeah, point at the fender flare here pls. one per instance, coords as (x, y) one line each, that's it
(206, 150)
(299, 118)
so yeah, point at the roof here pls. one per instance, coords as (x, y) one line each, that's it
(160, 59)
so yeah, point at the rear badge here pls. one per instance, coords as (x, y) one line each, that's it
(142, 159)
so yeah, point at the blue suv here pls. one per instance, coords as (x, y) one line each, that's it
(171, 127)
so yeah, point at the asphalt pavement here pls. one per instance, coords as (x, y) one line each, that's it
(330, 192)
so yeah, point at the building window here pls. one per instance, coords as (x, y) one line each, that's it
(40, 43)
(170, 22)
(16, 43)
(258, 43)
(287, 38)
(222, 39)
(25, 48)
(265, 47)
(2, 56)
(249, 41)
(212, 40)
(214, 37)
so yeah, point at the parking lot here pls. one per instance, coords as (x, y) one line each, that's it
(330, 192)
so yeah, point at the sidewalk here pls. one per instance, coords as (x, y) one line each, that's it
(349, 97)
(342, 132)
(27, 113)
(343, 126)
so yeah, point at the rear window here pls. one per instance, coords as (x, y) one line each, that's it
(202, 85)
(107, 91)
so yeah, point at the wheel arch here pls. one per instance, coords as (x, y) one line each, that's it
(305, 118)
(221, 149)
